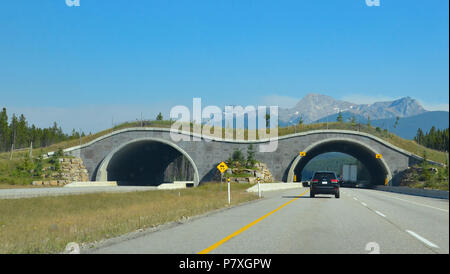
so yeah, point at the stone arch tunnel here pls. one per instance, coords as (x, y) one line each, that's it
(377, 168)
(147, 162)
(147, 155)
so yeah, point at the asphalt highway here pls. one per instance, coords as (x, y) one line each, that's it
(290, 222)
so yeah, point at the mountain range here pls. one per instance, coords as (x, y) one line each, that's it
(314, 108)
(318, 108)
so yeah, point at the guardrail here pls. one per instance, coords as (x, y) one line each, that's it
(439, 194)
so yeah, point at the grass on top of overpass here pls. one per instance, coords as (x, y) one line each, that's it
(408, 145)
(48, 224)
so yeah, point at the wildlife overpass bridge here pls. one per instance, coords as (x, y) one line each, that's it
(142, 156)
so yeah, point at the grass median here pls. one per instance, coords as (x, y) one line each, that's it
(47, 224)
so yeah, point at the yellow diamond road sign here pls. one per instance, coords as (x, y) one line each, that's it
(302, 154)
(378, 156)
(222, 167)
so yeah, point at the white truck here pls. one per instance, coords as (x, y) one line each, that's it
(349, 174)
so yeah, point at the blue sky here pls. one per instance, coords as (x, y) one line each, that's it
(107, 61)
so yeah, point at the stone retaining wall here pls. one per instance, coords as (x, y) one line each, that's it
(71, 170)
(261, 172)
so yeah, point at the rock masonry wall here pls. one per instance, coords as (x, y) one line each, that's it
(71, 170)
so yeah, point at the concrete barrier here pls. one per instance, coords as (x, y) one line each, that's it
(91, 184)
(439, 194)
(175, 185)
(274, 186)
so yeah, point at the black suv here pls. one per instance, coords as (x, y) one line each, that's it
(324, 182)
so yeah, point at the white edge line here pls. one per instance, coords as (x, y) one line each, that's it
(437, 208)
(422, 239)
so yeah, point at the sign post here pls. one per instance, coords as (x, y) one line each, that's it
(229, 194)
(259, 188)
(222, 167)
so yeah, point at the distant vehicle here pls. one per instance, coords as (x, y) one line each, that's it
(349, 175)
(324, 182)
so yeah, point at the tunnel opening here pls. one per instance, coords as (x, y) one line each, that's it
(376, 169)
(337, 162)
(149, 163)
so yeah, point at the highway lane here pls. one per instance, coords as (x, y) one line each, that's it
(421, 216)
(359, 222)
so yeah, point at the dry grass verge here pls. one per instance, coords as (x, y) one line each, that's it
(47, 224)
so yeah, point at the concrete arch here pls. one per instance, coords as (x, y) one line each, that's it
(102, 173)
(206, 151)
(357, 145)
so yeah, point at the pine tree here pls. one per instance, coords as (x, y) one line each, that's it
(419, 136)
(251, 161)
(38, 167)
(13, 130)
(353, 121)
(20, 134)
(434, 139)
(22, 138)
(396, 121)
(4, 131)
(339, 118)
(267, 120)
(237, 159)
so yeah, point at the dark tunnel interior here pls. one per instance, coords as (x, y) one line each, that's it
(149, 163)
(374, 166)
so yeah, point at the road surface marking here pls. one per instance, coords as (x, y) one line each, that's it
(422, 239)
(364, 204)
(354, 198)
(437, 208)
(379, 213)
(216, 245)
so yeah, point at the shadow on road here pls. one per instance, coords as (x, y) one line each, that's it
(306, 197)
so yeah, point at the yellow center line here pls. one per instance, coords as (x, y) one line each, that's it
(224, 240)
